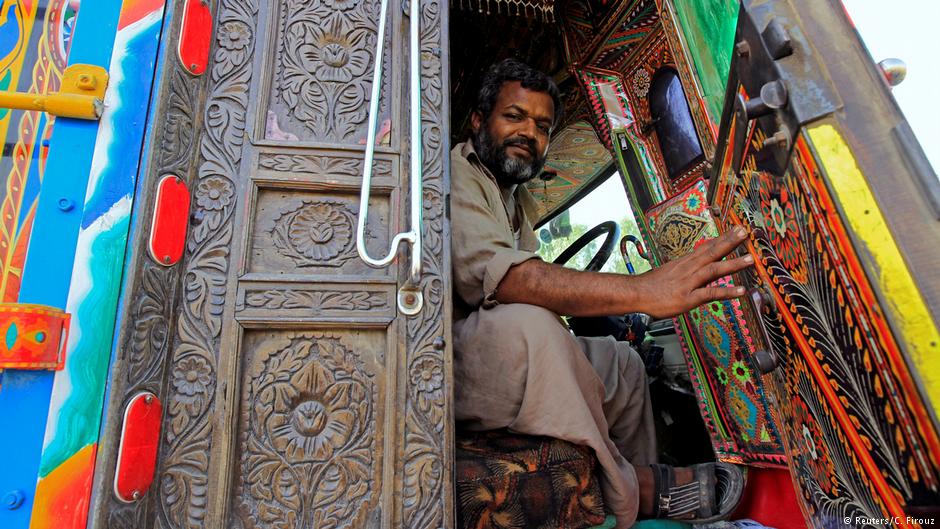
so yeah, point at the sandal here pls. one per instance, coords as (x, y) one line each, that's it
(713, 493)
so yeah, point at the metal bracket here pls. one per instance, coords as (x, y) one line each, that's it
(779, 69)
(80, 96)
(32, 336)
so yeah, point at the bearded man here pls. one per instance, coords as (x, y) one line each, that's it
(516, 364)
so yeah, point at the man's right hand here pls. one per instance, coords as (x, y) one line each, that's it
(683, 284)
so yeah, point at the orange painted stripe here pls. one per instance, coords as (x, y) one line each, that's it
(64, 496)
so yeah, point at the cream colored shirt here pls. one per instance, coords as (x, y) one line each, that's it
(483, 242)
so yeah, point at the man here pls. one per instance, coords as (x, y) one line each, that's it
(516, 365)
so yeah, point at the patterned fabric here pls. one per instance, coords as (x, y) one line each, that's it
(718, 346)
(507, 480)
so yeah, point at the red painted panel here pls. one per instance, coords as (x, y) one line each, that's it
(137, 455)
(170, 221)
(195, 36)
(32, 336)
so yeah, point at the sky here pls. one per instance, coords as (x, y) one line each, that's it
(907, 31)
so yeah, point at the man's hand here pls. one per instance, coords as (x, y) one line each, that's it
(682, 284)
(671, 289)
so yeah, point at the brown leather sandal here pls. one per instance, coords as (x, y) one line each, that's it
(713, 493)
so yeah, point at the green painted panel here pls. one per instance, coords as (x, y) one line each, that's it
(708, 27)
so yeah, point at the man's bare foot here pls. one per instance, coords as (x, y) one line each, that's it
(644, 476)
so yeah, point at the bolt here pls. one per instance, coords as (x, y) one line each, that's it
(166, 259)
(135, 495)
(148, 399)
(65, 204)
(410, 299)
(13, 499)
(192, 67)
(780, 139)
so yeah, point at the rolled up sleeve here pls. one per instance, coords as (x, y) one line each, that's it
(482, 242)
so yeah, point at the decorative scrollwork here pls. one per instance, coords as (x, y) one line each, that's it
(183, 481)
(322, 166)
(309, 435)
(424, 473)
(315, 300)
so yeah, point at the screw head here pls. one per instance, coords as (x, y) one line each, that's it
(166, 259)
(135, 495)
(148, 399)
(192, 67)
(65, 204)
(411, 299)
(13, 499)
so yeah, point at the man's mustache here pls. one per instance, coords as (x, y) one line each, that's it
(518, 140)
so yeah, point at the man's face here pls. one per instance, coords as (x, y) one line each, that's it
(513, 141)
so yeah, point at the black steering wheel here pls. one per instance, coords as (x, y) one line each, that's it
(597, 262)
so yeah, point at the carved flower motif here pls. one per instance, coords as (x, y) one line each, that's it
(214, 193)
(427, 375)
(427, 378)
(317, 405)
(234, 36)
(337, 53)
(192, 376)
(320, 231)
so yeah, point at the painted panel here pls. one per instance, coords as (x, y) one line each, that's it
(708, 27)
(77, 396)
(860, 438)
(35, 38)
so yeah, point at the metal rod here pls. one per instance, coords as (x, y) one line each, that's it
(413, 235)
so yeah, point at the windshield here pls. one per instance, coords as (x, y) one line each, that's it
(607, 201)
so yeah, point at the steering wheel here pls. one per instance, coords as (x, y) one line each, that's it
(613, 235)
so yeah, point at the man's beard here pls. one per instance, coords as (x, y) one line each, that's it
(506, 169)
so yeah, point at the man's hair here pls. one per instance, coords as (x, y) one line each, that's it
(509, 70)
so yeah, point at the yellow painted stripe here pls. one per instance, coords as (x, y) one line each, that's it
(905, 302)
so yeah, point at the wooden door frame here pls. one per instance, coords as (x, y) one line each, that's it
(182, 141)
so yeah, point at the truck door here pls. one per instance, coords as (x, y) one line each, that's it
(300, 387)
(816, 160)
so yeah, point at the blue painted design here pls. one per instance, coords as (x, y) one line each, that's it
(11, 336)
(24, 395)
(40, 337)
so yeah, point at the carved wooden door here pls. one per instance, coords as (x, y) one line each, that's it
(295, 393)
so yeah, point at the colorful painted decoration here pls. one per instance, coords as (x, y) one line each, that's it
(718, 344)
(196, 36)
(32, 336)
(137, 454)
(170, 221)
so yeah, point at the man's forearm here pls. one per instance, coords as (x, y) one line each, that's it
(672, 288)
(569, 292)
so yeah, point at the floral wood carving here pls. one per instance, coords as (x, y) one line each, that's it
(424, 484)
(315, 300)
(183, 494)
(327, 48)
(318, 233)
(308, 436)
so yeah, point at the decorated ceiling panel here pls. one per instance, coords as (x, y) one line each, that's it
(577, 157)
(639, 21)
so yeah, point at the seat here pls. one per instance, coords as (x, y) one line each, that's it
(506, 480)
